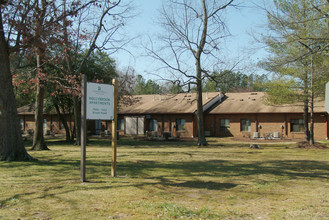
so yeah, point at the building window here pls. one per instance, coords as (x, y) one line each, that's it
(245, 125)
(297, 125)
(153, 125)
(120, 125)
(224, 124)
(21, 123)
(45, 124)
(180, 124)
(62, 125)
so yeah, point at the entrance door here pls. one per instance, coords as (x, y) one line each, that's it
(134, 125)
(140, 125)
(131, 125)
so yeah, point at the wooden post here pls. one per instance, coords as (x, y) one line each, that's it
(83, 129)
(114, 128)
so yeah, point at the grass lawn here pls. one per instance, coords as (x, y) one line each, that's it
(168, 180)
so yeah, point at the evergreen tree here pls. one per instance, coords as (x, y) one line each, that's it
(296, 44)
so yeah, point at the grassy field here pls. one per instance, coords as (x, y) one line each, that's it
(168, 180)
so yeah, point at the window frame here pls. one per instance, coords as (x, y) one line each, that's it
(180, 124)
(243, 125)
(299, 123)
(153, 122)
(121, 124)
(225, 126)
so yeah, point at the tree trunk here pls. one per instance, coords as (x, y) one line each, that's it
(312, 120)
(77, 120)
(312, 103)
(201, 136)
(11, 143)
(38, 140)
(64, 122)
(305, 115)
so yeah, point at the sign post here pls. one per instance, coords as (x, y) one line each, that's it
(83, 129)
(114, 129)
(97, 103)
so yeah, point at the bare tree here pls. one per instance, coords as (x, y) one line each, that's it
(190, 44)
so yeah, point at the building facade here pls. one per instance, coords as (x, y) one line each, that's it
(241, 115)
(246, 115)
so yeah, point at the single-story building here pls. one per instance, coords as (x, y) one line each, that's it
(51, 121)
(243, 115)
(247, 115)
(172, 115)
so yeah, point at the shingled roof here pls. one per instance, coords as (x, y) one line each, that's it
(185, 103)
(26, 110)
(30, 110)
(253, 102)
(166, 104)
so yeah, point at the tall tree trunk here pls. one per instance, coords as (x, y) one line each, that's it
(11, 143)
(312, 102)
(76, 103)
(201, 135)
(38, 139)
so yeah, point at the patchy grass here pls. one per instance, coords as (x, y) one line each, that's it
(169, 180)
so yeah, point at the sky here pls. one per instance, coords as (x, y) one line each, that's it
(241, 22)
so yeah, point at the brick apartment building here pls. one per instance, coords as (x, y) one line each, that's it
(246, 115)
(243, 115)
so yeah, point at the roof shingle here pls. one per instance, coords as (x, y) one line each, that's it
(253, 102)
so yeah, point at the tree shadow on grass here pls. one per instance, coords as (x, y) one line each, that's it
(221, 168)
(205, 185)
(161, 172)
(208, 168)
(167, 176)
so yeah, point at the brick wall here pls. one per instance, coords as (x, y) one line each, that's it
(166, 123)
(265, 124)
(53, 123)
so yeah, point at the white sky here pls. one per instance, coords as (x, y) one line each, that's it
(241, 22)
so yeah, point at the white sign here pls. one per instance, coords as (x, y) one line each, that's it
(327, 98)
(99, 101)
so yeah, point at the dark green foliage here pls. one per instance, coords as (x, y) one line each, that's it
(229, 81)
(99, 66)
(148, 87)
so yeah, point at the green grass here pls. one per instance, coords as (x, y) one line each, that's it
(168, 180)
